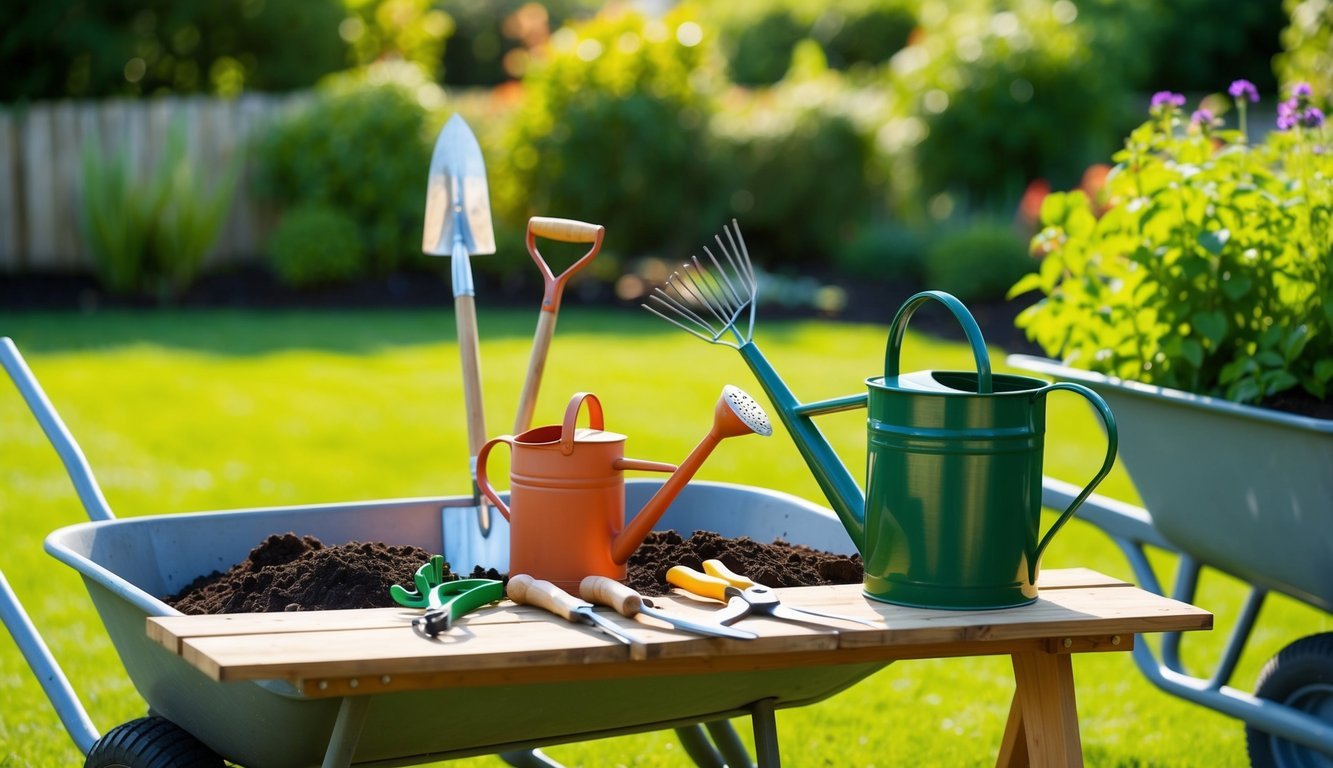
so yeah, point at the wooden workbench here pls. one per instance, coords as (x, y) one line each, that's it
(350, 653)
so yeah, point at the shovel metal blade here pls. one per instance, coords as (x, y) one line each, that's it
(458, 204)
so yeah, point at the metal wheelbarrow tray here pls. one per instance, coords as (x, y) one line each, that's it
(1243, 491)
(128, 564)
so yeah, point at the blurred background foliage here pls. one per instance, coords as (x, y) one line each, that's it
(865, 139)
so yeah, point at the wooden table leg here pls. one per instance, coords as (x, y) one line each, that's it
(1014, 745)
(1042, 730)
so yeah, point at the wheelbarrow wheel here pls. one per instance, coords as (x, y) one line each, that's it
(150, 742)
(1300, 676)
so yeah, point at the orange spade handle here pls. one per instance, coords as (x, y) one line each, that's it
(697, 583)
(484, 482)
(601, 590)
(716, 568)
(525, 590)
(567, 231)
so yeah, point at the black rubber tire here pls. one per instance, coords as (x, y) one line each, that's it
(150, 742)
(1301, 677)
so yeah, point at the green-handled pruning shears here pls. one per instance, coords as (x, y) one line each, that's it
(445, 597)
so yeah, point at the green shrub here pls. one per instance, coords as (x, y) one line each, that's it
(978, 260)
(758, 37)
(1210, 269)
(362, 147)
(868, 32)
(1307, 44)
(315, 245)
(759, 49)
(612, 131)
(884, 250)
(795, 167)
(149, 234)
(60, 48)
(988, 101)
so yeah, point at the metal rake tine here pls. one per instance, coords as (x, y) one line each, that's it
(742, 258)
(698, 295)
(675, 305)
(720, 275)
(712, 288)
(686, 328)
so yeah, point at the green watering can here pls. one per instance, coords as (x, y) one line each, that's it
(951, 512)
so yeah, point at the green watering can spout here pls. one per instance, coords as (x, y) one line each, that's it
(838, 485)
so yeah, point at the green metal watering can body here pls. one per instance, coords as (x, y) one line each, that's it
(951, 514)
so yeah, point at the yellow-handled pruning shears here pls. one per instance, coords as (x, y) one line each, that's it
(743, 596)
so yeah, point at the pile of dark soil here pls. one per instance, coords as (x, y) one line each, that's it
(774, 565)
(287, 572)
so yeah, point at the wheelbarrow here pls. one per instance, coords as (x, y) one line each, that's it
(127, 563)
(1277, 539)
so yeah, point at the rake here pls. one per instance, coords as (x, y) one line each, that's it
(707, 302)
(707, 298)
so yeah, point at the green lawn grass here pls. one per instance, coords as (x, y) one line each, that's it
(187, 410)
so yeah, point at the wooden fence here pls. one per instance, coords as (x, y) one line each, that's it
(41, 149)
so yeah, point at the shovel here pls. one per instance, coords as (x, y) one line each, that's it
(567, 231)
(458, 225)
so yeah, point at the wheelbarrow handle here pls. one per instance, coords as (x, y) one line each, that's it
(76, 465)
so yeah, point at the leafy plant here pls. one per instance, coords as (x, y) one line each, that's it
(314, 245)
(362, 147)
(148, 235)
(1210, 269)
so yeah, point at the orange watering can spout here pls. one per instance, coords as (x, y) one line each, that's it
(735, 414)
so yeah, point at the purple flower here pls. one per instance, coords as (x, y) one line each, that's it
(1202, 117)
(1301, 91)
(1286, 115)
(1312, 117)
(1167, 99)
(1243, 89)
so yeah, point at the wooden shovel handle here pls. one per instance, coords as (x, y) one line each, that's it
(601, 590)
(564, 230)
(525, 590)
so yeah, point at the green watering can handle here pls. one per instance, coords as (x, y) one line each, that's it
(965, 319)
(1112, 440)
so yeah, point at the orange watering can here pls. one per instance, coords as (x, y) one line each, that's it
(566, 508)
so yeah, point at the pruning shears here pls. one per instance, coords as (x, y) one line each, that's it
(445, 597)
(743, 596)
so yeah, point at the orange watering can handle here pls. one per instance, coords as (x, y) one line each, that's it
(572, 416)
(484, 482)
(960, 313)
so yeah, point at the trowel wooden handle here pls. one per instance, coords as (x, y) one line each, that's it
(564, 230)
(526, 590)
(600, 590)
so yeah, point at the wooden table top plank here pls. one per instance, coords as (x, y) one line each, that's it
(332, 644)
(169, 630)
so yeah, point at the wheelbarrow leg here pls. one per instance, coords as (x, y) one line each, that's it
(346, 731)
(762, 715)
